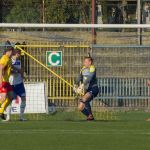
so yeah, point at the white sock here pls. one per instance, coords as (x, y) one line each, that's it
(22, 108)
(8, 111)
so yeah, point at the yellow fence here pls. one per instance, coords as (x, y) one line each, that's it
(59, 78)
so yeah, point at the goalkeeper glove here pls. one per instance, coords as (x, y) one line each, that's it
(75, 88)
(80, 89)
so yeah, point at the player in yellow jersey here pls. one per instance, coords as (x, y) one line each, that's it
(6, 90)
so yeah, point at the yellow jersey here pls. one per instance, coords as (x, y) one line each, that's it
(87, 76)
(6, 62)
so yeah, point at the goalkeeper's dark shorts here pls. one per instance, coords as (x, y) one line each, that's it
(93, 91)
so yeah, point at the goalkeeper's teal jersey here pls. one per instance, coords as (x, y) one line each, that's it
(88, 77)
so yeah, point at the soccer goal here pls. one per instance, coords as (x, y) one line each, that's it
(52, 55)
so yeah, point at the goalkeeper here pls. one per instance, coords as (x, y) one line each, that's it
(87, 83)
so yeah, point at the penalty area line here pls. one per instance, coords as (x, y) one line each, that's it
(82, 132)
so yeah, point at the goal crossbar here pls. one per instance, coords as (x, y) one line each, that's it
(34, 25)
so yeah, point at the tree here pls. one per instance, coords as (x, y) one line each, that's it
(1, 11)
(53, 11)
(24, 12)
(61, 11)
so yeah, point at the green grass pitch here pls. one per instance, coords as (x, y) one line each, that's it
(129, 132)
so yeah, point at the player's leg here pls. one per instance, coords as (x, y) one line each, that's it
(7, 92)
(3, 96)
(4, 105)
(88, 106)
(3, 92)
(20, 91)
(9, 98)
(93, 92)
(2, 100)
(84, 105)
(8, 112)
(22, 108)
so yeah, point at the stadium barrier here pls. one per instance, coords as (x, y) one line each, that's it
(116, 90)
(123, 73)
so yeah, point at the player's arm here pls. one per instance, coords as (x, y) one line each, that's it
(22, 72)
(1, 72)
(78, 87)
(3, 64)
(79, 79)
(15, 70)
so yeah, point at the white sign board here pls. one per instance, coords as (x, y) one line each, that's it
(35, 99)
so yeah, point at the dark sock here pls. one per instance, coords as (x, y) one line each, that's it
(88, 107)
(85, 112)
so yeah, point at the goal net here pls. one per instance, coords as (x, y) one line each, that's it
(52, 54)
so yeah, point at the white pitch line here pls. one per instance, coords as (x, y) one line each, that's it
(82, 132)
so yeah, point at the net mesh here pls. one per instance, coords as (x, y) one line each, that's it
(122, 71)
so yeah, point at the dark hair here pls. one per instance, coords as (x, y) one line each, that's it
(16, 51)
(8, 47)
(17, 43)
(89, 58)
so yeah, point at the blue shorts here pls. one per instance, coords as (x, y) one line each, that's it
(93, 91)
(19, 90)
